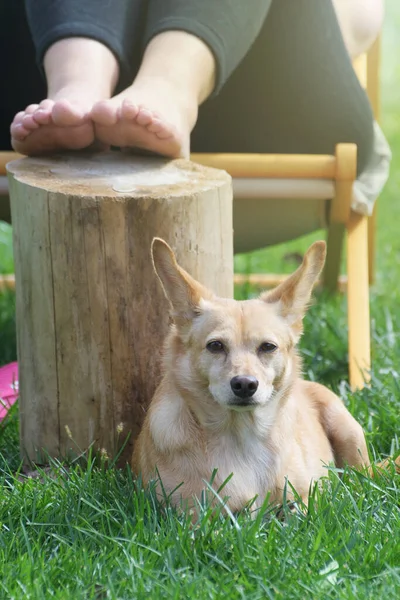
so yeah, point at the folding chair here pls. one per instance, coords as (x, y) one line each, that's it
(280, 197)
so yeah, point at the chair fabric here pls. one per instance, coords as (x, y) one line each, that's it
(369, 185)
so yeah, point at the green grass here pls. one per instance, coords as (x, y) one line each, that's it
(89, 533)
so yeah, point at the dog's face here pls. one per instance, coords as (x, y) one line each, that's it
(241, 353)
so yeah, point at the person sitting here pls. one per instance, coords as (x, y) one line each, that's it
(173, 76)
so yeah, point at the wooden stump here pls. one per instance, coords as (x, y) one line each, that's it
(91, 315)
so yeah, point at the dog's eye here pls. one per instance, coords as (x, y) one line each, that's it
(215, 346)
(267, 347)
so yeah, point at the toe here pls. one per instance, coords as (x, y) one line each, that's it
(29, 123)
(42, 117)
(67, 114)
(46, 104)
(144, 117)
(18, 132)
(156, 126)
(129, 110)
(104, 113)
(161, 129)
(18, 117)
(31, 108)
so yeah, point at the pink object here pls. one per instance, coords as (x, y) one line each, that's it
(8, 387)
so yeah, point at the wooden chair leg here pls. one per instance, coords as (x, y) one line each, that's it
(372, 245)
(346, 172)
(358, 301)
(333, 256)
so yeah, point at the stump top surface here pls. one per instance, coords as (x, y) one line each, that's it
(115, 174)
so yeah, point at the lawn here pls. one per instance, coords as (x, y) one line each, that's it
(88, 533)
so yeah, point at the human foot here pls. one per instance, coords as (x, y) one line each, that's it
(152, 114)
(159, 110)
(79, 72)
(55, 124)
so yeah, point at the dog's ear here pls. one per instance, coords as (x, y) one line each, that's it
(183, 292)
(293, 295)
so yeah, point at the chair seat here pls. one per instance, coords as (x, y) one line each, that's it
(277, 218)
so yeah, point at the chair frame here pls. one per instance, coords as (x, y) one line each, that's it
(343, 221)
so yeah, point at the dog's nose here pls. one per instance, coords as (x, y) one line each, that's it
(244, 386)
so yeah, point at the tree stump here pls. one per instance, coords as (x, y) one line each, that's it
(91, 314)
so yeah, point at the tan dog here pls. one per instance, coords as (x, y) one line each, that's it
(232, 397)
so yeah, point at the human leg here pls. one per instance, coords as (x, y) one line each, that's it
(190, 49)
(158, 111)
(83, 50)
(294, 92)
(360, 22)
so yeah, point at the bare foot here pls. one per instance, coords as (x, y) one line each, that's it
(151, 114)
(79, 72)
(60, 123)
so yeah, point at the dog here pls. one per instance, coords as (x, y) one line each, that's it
(232, 401)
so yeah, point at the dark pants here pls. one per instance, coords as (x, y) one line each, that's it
(284, 80)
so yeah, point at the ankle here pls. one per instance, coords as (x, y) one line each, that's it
(183, 60)
(67, 72)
